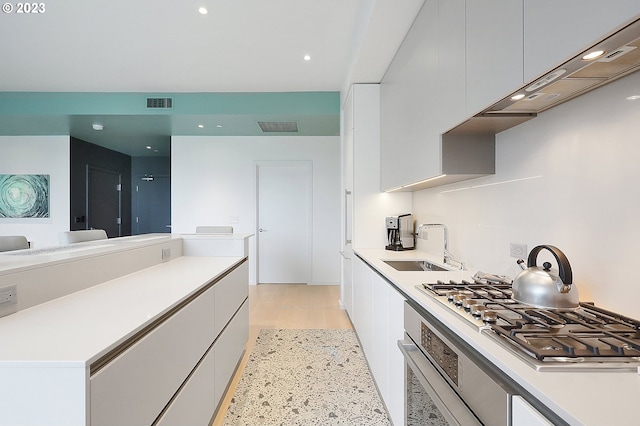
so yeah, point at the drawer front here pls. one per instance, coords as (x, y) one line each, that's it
(136, 386)
(201, 395)
(230, 293)
(229, 349)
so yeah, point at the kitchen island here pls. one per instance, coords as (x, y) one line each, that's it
(155, 344)
(578, 397)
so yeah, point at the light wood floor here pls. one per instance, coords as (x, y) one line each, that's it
(287, 306)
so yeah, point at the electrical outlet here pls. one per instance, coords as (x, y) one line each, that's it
(166, 254)
(9, 294)
(518, 251)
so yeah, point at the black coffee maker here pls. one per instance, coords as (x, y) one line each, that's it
(400, 232)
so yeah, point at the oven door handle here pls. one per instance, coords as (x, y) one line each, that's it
(444, 397)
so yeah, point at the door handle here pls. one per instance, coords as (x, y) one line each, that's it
(262, 230)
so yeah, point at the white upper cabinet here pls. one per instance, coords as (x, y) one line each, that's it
(452, 86)
(494, 51)
(555, 31)
(424, 94)
(409, 112)
(459, 58)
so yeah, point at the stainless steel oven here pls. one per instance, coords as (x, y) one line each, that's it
(447, 384)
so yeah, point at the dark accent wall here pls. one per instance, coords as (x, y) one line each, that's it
(83, 153)
(153, 218)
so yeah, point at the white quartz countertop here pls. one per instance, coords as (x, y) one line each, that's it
(75, 330)
(18, 260)
(580, 398)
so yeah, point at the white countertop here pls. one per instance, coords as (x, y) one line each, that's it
(580, 398)
(75, 330)
(15, 261)
(18, 260)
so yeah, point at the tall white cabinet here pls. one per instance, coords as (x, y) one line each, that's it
(370, 301)
(364, 205)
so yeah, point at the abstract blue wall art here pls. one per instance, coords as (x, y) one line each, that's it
(24, 196)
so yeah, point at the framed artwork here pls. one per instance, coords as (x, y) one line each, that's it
(24, 196)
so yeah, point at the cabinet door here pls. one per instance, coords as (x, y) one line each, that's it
(523, 414)
(347, 283)
(362, 303)
(555, 31)
(379, 356)
(410, 141)
(452, 86)
(494, 51)
(395, 403)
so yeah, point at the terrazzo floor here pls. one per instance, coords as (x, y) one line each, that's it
(306, 377)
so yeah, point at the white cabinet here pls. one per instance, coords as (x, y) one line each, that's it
(362, 315)
(410, 149)
(555, 31)
(135, 387)
(364, 206)
(362, 150)
(395, 403)
(379, 355)
(175, 370)
(523, 414)
(452, 87)
(427, 91)
(378, 320)
(494, 52)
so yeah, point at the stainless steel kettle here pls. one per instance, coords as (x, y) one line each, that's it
(540, 287)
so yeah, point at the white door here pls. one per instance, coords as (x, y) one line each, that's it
(284, 222)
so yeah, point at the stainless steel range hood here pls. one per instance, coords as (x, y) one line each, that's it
(573, 78)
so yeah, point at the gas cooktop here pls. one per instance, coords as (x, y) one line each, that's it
(585, 338)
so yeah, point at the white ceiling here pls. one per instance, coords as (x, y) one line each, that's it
(167, 46)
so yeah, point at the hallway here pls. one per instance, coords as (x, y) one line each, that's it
(295, 306)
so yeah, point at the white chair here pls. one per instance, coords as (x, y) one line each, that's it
(71, 237)
(214, 229)
(13, 242)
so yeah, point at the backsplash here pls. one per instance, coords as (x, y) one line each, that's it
(568, 178)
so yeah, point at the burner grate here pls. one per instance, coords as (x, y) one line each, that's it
(587, 332)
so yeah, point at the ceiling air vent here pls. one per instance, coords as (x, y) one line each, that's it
(278, 126)
(159, 103)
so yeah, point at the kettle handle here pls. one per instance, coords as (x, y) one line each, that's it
(564, 269)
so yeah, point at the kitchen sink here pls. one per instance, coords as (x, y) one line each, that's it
(414, 265)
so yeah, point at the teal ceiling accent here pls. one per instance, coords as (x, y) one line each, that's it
(129, 126)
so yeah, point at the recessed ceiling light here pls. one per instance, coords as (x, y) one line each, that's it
(218, 125)
(148, 146)
(98, 127)
(517, 97)
(593, 55)
(201, 126)
(203, 10)
(307, 57)
(633, 98)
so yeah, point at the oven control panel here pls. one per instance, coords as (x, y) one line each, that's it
(446, 358)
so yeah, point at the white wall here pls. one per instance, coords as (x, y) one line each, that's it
(568, 178)
(213, 182)
(47, 155)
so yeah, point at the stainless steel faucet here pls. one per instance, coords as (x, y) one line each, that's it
(448, 258)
